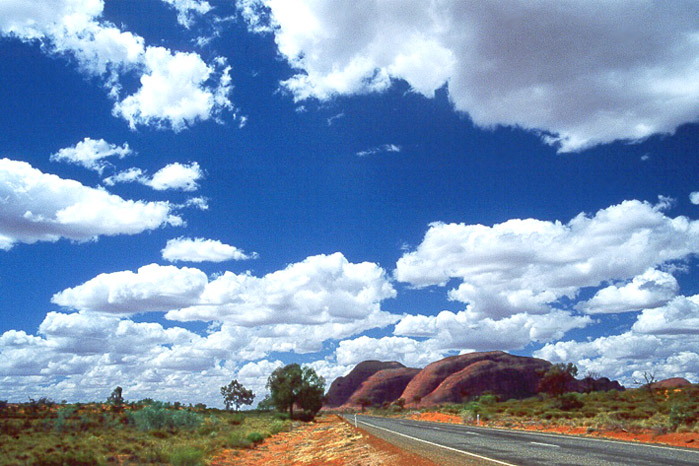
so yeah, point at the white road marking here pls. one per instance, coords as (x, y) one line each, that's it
(550, 445)
(438, 445)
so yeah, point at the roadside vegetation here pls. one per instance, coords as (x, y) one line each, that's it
(148, 432)
(660, 411)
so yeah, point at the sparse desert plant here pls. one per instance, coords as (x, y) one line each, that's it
(155, 417)
(255, 437)
(236, 419)
(237, 440)
(277, 426)
(186, 456)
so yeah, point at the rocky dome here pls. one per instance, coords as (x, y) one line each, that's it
(453, 379)
(384, 386)
(674, 382)
(343, 388)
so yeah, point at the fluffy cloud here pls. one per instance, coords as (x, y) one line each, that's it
(678, 317)
(628, 355)
(177, 88)
(176, 175)
(466, 330)
(663, 341)
(174, 90)
(407, 351)
(90, 153)
(579, 76)
(42, 207)
(651, 289)
(202, 250)
(320, 289)
(528, 265)
(152, 288)
(694, 198)
(188, 10)
(307, 303)
(78, 355)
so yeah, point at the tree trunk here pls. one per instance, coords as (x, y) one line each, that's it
(291, 411)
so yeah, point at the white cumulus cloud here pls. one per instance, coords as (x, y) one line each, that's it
(407, 351)
(580, 73)
(152, 288)
(694, 198)
(651, 289)
(202, 250)
(90, 153)
(177, 88)
(36, 206)
(188, 10)
(528, 265)
(174, 91)
(296, 308)
(175, 175)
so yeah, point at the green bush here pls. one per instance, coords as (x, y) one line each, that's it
(569, 402)
(155, 417)
(277, 426)
(682, 415)
(236, 440)
(255, 437)
(236, 419)
(186, 456)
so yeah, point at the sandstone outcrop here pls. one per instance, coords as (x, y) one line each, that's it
(384, 386)
(343, 388)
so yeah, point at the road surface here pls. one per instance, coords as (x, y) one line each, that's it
(483, 446)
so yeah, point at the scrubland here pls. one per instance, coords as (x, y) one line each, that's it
(638, 411)
(45, 433)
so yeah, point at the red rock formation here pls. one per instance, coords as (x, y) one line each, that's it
(451, 380)
(432, 376)
(342, 388)
(498, 373)
(674, 382)
(384, 386)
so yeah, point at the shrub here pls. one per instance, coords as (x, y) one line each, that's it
(210, 425)
(255, 437)
(488, 400)
(277, 426)
(236, 440)
(186, 456)
(569, 402)
(682, 414)
(63, 414)
(156, 417)
(236, 419)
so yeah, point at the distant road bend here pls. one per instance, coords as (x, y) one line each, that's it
(455, 444)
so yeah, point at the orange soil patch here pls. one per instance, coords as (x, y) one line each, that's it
(327, 442)
(684, 439)
(437, 417)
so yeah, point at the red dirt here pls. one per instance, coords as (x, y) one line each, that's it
(328, 442)
(684, 439)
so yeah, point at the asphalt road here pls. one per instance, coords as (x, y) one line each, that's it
(479, 445)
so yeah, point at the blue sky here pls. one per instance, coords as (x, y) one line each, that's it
(197, 191)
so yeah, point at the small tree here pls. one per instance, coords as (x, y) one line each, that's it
(649, 385)
(115, 399)
(555, 381)
(235, 394)
(400, 402)
(293, 384)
